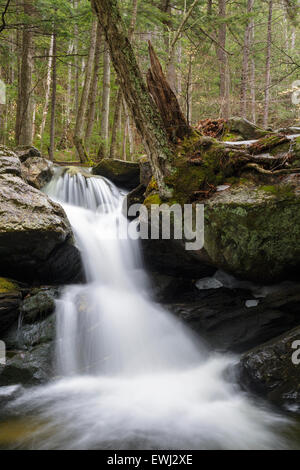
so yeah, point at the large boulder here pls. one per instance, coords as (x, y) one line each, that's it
(37, 171)
(272, 370)
(253, 231)
(244, 128)
(36, 240)
(122, 173)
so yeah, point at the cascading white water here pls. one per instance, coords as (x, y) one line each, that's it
(131, 375)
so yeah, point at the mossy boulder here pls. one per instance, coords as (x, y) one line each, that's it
(122, 173)
(253, 232)
(270, 371)
(10, 303)
(238, 126)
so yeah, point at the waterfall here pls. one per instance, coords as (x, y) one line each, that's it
(130, 375)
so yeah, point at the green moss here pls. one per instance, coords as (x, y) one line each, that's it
(152, 186)
(268, 142)
(232, 137)
(153, 199)
(280, 192)
(283, 148)
(204, 165)
(7, 285)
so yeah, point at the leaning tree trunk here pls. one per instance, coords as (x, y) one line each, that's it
(147, 118)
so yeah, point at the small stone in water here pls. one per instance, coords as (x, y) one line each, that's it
(251, 303)
(208, 283)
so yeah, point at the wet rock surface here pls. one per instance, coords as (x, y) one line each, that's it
(271, 371)
(121, 173)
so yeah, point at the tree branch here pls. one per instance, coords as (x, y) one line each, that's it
(3, 26)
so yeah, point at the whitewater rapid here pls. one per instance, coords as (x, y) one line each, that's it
(130, 375)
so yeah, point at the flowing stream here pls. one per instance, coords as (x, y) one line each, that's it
(129, 374)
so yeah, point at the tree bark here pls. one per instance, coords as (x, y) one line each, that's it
(104, 131)
(48, 88)
(147, 119)
(24, 120)
(116, 124)
(268, 66)
(175, 123)
(94, 90)
(79, 126)
(53, 102)
(245, 66)
(224, 65)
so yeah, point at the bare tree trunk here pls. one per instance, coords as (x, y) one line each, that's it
(24, 113)
(245, 66)
(48, 88)
(79, 130)
(94, 90)
(69, 90)
(116, 124)
(104, 133)
(268, 66)
(76, 62)
(224, 65)
(189, 90)
(252, 78)
(53, 102)
(147, 118)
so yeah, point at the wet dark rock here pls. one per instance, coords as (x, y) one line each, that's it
(27, 336)
(121, 173)
(222, 318)
(30, 367)
(169, 257)
(269, 370)
(39, 304)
